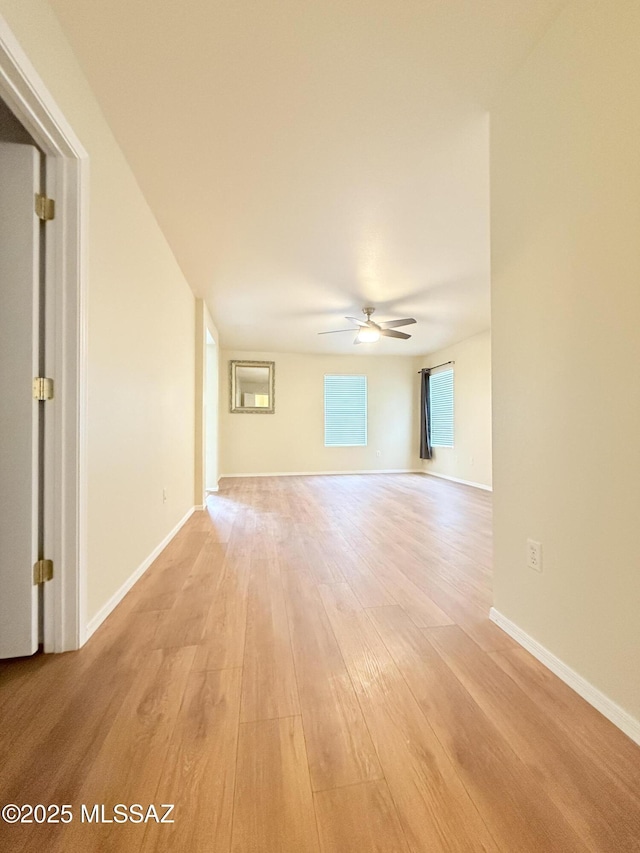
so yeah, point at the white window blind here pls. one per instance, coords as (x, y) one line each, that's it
(441, 408)
(345, 411)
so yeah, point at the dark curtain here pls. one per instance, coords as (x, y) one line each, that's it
(425, 421)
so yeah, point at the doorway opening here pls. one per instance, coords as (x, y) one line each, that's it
(62, 358)
(211, 416)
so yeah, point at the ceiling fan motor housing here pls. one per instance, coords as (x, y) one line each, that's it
(386, 329)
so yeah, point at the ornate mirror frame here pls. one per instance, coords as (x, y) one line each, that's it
(254, 410)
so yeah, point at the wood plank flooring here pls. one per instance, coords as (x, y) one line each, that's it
(308, 667)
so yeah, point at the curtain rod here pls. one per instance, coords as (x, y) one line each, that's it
(436, 366)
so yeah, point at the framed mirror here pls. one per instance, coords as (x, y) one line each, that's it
(252, 386)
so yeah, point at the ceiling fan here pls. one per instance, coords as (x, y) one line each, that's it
(369, 332)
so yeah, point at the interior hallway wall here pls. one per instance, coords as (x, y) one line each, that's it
(140, 336)
(565, 170)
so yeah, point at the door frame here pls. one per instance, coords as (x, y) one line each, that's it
(65, 467)
(204, 326)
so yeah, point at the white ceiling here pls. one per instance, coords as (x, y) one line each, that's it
(307, 158)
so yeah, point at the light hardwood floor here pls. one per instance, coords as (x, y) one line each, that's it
(309, 667)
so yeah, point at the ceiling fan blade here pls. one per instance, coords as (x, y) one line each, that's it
(355, 320)
(392, 324)
(390, 333)
(334, 331)
(356, 340)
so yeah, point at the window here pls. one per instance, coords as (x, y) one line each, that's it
(345, 411)
(441, 408)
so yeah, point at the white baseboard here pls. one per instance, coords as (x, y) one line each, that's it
(325, 473)
(607, 707)
(198, 508)
(458, 480)
(117, 597)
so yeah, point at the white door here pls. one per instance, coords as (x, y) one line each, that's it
(19, 415)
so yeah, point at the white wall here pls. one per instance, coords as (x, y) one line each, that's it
(470, 458)
(140, 336)
(292, 439)
(565, 170)
(212, 416)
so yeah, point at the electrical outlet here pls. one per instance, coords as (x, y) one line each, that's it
(378, 452)
(164, 495)
(534, 555)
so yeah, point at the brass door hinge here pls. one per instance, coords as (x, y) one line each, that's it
(42, 571)
(45, 207)
(42, 388)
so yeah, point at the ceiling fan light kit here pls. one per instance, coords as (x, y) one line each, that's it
(368, 336)
(369, 332)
